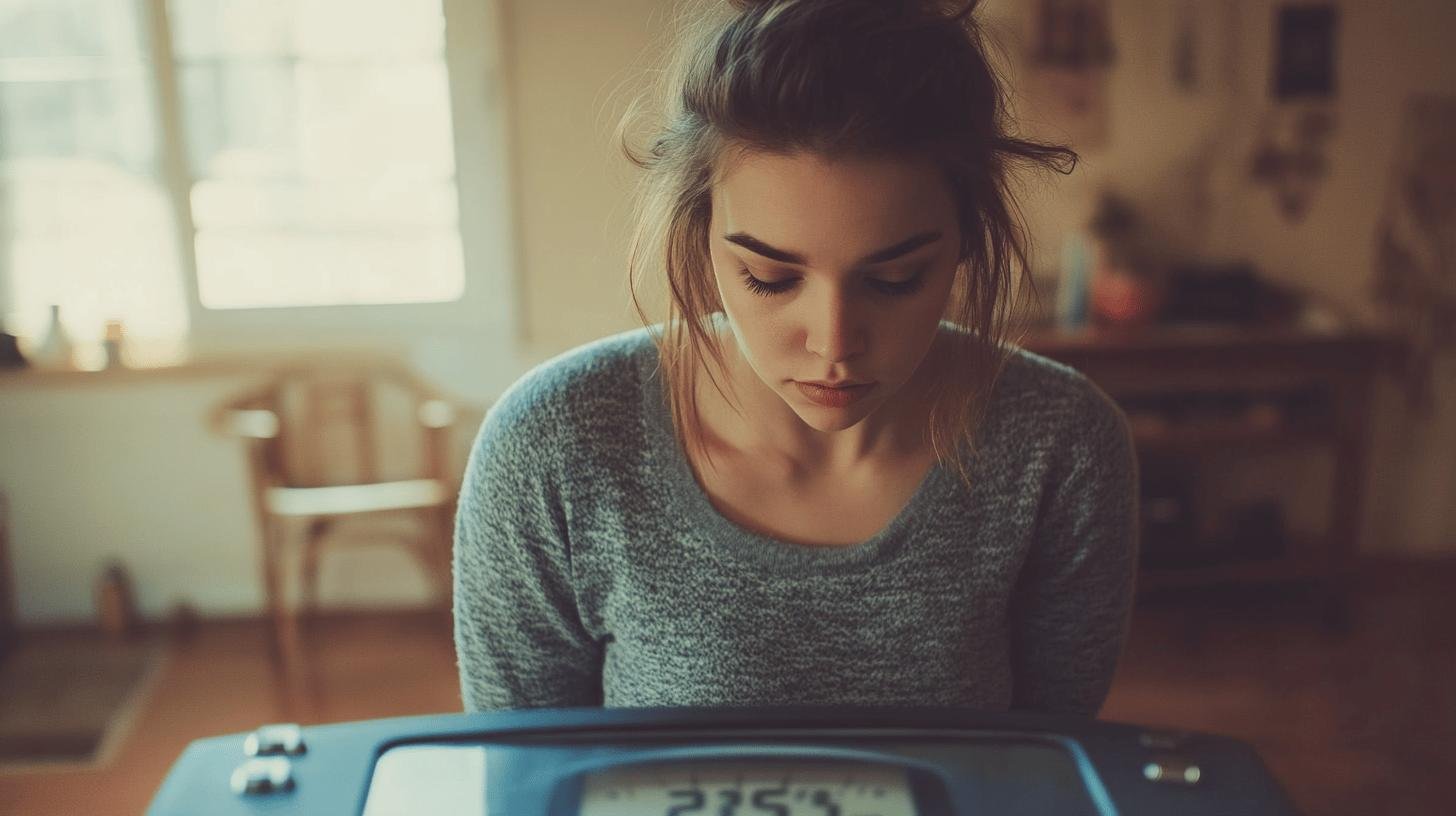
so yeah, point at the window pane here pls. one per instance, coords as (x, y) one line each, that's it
(210, 28)
(320, 143)
(381, 203)
(39, 120)
(102, 118)
(331, 30)
(97, 241)
(274, 120)
(248, 269)
(113, 120)
(392, 120)
(373, 29)
(241, 119)
(86, 224)
(58, 29)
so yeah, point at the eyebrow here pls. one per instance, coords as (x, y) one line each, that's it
(879, 256)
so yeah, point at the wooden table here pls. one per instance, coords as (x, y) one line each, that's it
(1330, 374)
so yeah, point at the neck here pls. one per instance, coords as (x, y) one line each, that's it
(765, 426)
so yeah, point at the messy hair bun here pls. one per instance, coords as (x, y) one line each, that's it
(956, 6)
(837, 78)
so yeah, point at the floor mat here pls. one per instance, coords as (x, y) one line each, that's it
(71, 701)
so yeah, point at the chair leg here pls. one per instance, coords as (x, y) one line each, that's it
(287, 645)
(433, 550)
(294, 681)
(273, 591)
(445, 552)
(308, 603)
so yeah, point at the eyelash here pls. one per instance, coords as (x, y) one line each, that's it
(893, 288)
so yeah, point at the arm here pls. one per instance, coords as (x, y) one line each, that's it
(1074, 598)
(519, 639)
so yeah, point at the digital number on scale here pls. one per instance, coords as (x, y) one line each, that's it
(763, 789)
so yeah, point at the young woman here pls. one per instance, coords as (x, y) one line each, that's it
(828, 477)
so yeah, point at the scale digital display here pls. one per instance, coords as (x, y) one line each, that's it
(749, 788)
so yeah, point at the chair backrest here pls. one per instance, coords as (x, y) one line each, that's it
(348, 423)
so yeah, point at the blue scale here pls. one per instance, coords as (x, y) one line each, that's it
(720, 762)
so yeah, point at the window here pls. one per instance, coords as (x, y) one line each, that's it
(85, 221)
(256, 153)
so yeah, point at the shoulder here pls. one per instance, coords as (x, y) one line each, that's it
(1057, 390)
(1055, 413)
(570, 399)
(1036, 394)
(575, 381)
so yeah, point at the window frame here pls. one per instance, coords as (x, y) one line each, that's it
(475, 64)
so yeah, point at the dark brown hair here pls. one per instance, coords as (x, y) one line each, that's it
(837, 78)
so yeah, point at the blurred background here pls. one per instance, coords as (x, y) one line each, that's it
(264, 265)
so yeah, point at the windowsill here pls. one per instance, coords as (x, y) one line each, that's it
(458, 371)
(190, 368)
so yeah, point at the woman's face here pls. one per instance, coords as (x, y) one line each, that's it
(833, 272)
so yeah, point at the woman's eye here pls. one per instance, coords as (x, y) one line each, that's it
(907, 286)
(904, 287)
(763, 287)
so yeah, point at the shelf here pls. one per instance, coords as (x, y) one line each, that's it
(1273, 570)
(1194, 393)
(245, 365)
(1206, 437)
(1349, 342)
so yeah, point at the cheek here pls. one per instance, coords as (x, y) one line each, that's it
(761, 327)
(916, 325)
(927, 313)
(754, 325)
(764, 333)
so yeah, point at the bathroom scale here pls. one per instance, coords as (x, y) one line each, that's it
(815, 761)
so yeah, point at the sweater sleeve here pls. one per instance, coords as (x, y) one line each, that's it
(519, 639)
(1073, 602)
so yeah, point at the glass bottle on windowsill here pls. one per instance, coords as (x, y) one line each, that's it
(113, 344)
(55, 351)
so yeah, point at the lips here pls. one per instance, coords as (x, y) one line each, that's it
(828, 397)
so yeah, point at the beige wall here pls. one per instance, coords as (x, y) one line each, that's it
(575, 67)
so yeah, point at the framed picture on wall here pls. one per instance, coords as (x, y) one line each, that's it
(1069, 51)
(1304, 51)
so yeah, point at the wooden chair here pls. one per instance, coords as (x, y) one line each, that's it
(321, 450)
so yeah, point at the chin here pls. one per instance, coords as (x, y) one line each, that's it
(829, 424)
(828, 420)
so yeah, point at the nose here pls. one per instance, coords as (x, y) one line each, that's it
(834, 330)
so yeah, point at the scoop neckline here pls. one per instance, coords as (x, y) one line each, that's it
(749, 545)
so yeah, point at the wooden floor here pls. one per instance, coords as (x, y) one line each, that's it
(1361, 723)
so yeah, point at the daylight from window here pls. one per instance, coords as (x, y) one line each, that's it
(316, 161)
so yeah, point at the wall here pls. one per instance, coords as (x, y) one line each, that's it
(577, 65)
(1183, 158)
(95, 472)
(1388, 51)
(124, 466)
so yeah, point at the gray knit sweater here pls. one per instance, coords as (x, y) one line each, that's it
(591, 569)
